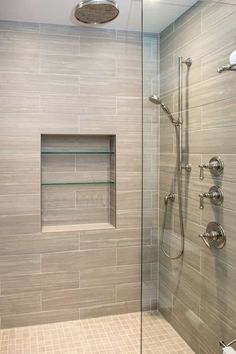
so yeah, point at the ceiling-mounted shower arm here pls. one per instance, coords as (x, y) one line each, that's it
(229, 67)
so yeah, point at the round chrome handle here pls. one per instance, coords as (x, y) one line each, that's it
(214, 236)
(215, 194)
(215, 165)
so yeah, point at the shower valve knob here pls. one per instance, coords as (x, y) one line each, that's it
(215, 194)
(215, 165)
(202, 167)
(214, 236)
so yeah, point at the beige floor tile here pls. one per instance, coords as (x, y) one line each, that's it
(118, 334)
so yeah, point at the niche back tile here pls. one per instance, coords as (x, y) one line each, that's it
(78, 189)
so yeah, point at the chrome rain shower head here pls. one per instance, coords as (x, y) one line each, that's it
(156, 100)
(96, 11)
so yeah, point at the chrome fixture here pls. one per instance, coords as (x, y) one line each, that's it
(155, 99)
(224, 345)
(229, 67)
(96, 11)
(178, 123)
(214, 236)
(178, 129)
(232, 64)
(169, 197)
(215, 194)
(187, 167)
(215, 165)
(188, 62)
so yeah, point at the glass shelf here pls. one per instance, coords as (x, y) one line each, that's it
(48, 152)
(75, 183)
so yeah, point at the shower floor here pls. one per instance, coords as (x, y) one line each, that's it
(112, 334)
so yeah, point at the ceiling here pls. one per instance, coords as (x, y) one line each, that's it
(158, 14)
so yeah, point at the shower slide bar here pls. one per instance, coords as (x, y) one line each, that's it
(188, 62)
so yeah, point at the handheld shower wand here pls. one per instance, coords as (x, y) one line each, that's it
(178, 123)
(156, 100)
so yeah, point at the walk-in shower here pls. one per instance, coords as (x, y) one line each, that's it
(117, 176)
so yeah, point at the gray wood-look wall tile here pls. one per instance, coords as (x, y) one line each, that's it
(26, 27)
(76, 298)
(77, 104)
(76, 31)
(93, 124)
(110, 276)
(111, 309)
(47, 84)
(19, 62)
(76, 65)
(128, 292)
(196, 294)
(75, 216)
(53, 123)
(54, 198)
(23, 264)
(18, 183)
(110, 86)
(20, 303)
(19, 41)
(39, 282)
(56, 44)
(19, 103)
(20, 224)
(74, 261)
(128, 67)
(37, 318)
(180, 289)
(128, 255)
(38, 243)
(110, 238)
(182, 35)
(67, 80)
(19, 204)
(110, 48)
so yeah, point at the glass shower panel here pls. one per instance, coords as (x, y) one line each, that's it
(189, 176)
(150, 177)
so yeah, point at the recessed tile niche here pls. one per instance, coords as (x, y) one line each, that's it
(78, 182)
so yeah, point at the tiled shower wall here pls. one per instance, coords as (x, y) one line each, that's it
(67, 80)
(197, 293)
